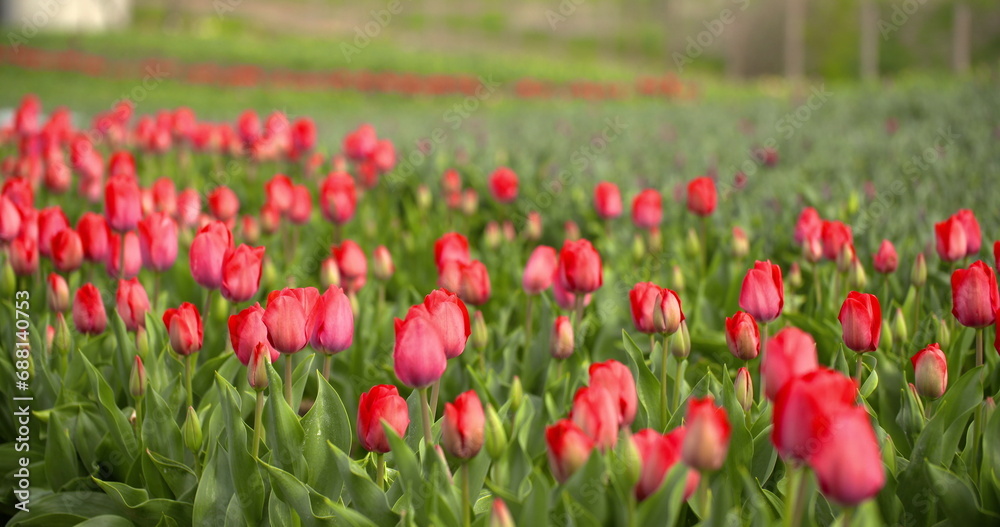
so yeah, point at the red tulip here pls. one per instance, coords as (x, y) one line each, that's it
(278, 192)
(596, 411)
(330, 323)
(647, 209)
(24, 255)
(93, 231)
(659, 453)
(974, 296)
(360, 143)
(847, 460)
(448, 313)
(450, 275)
(996, 256)
(701, 196)
(247, 331)
(743, 336)
(188, 207)
(474, 285)
(20, 191)
(158, 241)
(241, 268)
(580, 269)
(973, 236)
(352, 264)
(835, 235)
(380, 403)
(133, 255)
(763, 293)
(303, 134)
(51, 221)
(539, 270)
(805, 408)
(463, 426)
(617, 379)
(300, 211)
(706, 442)
(224, 204)
(185, 328)
(607, 200)
(338, 198)
(569, 448)
(809, 226)
(208, 251)
(285, 317)
(418, 357)
(930, 371)
(886, 259)
(67, 250)
(88, 310)
(122, 206)
(57, 291)
(644, 300)
(10, 219)
(165, 196)
(564, 298)
(952, 240)
(790, 353)
(503, 185)
(451, 181)
(249, 228)
(451, 247)
(861, 320)
(132, 303)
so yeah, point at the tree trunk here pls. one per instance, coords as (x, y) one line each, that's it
(735, 48)
(961, 33)
(869, 40)
(795, 53)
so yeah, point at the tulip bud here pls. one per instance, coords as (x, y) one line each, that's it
(270, 274)
(681, 347)
(812, 250)
(741, 244)
(496, 435)
(480, 333)
(142, 342)
(500, 517)
(424, 197)
(795, 276)
(50, 335)
(744, 389)
(655, 240)
(470, 201)
(911, 413)
(492, 236)
(857, 278)
(693, 242)
(944, 334)
(8, 280)
(638, 247)
(930, 372)
(516, 394)
(899, 332)
(462, 428)
(533, 227)
(630, 458)
(677, 278)
(355, 304)
(562, 338)
(383, 266)
(137, 380)
(260, 358)
(62, 342)
(572, 230)
(887, 336)
(742, 336)
(845, 258)
(989, 406)
(57, 292)
(192, 431)
(706, 442)
(918, 276)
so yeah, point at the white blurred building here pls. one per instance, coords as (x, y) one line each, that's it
(33, 16)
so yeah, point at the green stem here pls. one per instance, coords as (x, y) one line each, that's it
(188, 374)
(800, 499)
(435, 393)
(527, 323)
(207, 310)
(466, 497)
(859, 369)
(979, 347)
(703, 493)
(848, 516)
(663, 380)
(258, 429)
(425, 417)
(138, 418)
(380, 470)
(916, 310)
(288, 379)
(578, 314)
(817, 285)
(156, 289)
(763, 351)
(885, 294)
(652, 345)
(121, 260)
(678, 381)
(327, 361)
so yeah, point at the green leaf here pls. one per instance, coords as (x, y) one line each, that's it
(107, 520)
(663, 506)
(410, 475)
(285, 436)
(313, 508)
(365, 495)
(647, 385)
(141, 508)
(65, 508)
(216, 492)
(118, 426)
(938, 443)
(956, 496)
(61, 465)
(327, 420)
(242, 471)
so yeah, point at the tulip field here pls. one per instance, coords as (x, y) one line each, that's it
(773, 309)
